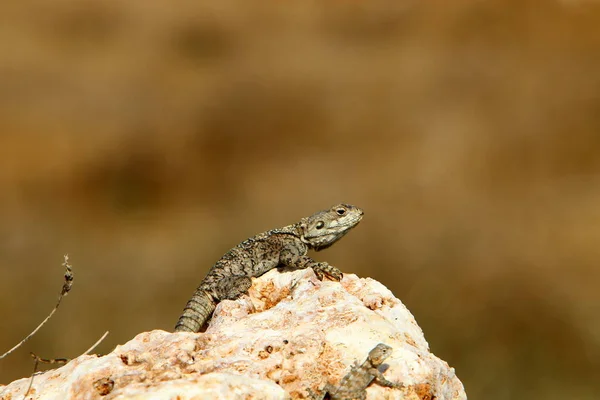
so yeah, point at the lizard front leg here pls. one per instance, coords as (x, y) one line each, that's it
(291, 257)
(379, 378)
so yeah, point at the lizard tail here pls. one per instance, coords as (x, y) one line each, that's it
(196, 312)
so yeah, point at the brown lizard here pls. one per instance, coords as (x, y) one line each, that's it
(231, 276)
(353, 386)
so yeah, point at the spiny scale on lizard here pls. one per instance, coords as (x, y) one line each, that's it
(230, 277)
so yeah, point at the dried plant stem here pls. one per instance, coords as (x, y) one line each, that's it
(96, 344)
(68, 283)
(39, 360)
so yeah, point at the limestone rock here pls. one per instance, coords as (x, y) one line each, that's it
(292, 333)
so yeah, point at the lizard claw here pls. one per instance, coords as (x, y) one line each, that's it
(322, 268)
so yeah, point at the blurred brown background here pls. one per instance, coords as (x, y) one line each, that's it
(146, 138)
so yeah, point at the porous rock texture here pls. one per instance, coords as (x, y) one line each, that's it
(291, 334)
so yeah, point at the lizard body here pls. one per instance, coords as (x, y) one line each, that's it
(353, 386)
(230, 277)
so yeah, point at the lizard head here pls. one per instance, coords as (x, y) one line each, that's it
(379, 353)
(322, 229)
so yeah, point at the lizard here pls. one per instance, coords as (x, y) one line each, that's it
(230, 277)
(353, 386)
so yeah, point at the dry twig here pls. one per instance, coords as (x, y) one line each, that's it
(39, 360)
(68, 282)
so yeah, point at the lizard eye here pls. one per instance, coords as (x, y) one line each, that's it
(340, 211)
(320, 225)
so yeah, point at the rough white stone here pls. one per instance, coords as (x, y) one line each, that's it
(292, 333)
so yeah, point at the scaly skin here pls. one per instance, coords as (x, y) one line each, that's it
(353, 386)
(231, 276)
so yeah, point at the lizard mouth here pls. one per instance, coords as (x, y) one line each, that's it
(329, 239)
(357, 219)
(325, 228)
(351, 223)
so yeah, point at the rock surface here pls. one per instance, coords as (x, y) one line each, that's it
(293, 333)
